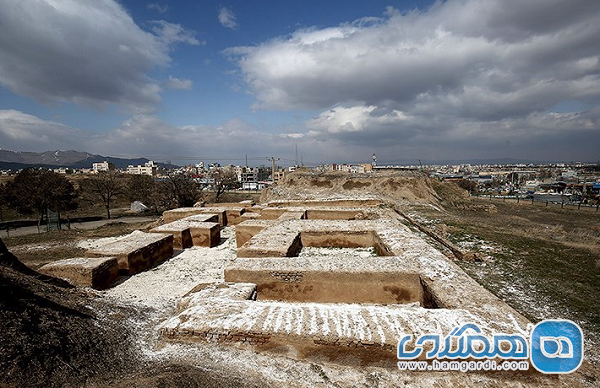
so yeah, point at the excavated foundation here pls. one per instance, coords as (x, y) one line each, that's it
(344, 280)
(349, 309)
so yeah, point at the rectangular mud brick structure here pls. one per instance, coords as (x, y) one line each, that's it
(250, 216)
(232, 215)
(247, 229)
(293, 215)
(183, 212)
(444, 284)
(343, 202)
(273, 213)
(137, 251)
(350, 309)
(317, 213)
(383, 280)
(245, 204)
(227, 215)
(350, 334)
(95, 272)
(286, 238)
(327, 213)
(187, 232)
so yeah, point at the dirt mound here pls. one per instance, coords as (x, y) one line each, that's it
(54, 336)
(403, 187)
(50, 335)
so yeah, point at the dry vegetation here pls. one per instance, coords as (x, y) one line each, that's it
(543, 261)
(36, 250)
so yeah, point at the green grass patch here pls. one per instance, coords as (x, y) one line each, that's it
(544, 279)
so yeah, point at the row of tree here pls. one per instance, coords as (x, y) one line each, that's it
(33, 191)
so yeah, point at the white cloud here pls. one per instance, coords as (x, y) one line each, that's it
(170, 33)
(178, 83)
(22, 131)
(227, 18)
(88, 53)
(401, 57)
(461, 66)
(445, 53)
(158, 8)
(353, 119)
(294, 135)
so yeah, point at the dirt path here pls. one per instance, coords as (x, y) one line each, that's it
(75, 225)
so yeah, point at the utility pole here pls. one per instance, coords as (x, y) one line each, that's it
(272, 159)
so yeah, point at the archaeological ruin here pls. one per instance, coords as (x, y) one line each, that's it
(342, 308)
(336, 281)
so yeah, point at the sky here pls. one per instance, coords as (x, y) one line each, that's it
(315, 81)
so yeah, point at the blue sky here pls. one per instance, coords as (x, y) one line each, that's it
(188, 81)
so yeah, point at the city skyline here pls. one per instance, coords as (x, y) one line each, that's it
(407, 80)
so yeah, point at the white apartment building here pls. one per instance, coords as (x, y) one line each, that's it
(149, 168)
(103, 166)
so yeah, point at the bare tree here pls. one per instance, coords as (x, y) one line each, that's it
(35, 190)
(178, 190)
(140, 188)
(105, 186)
(224, 179)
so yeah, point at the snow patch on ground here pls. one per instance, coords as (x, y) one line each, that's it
(95, 243)
(358, 253)
(163, 286)
(41, 247)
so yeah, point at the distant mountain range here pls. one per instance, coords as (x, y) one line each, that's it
(15, 160)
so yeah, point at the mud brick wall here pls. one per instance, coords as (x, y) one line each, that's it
(349, 352)
(337, 287)
(138, 251)
(247, 229)
(177, 214)
(182, 237)
(337, 203)
(344, 239)
(96, 272)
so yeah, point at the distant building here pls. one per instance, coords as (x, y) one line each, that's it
(363, 168)
(103, 166)
(248, 175)
(63, 170)
(279, 175)
(569, 175)
(253, 186)
(149, 168)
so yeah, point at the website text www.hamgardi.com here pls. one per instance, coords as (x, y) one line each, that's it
(463, 366)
